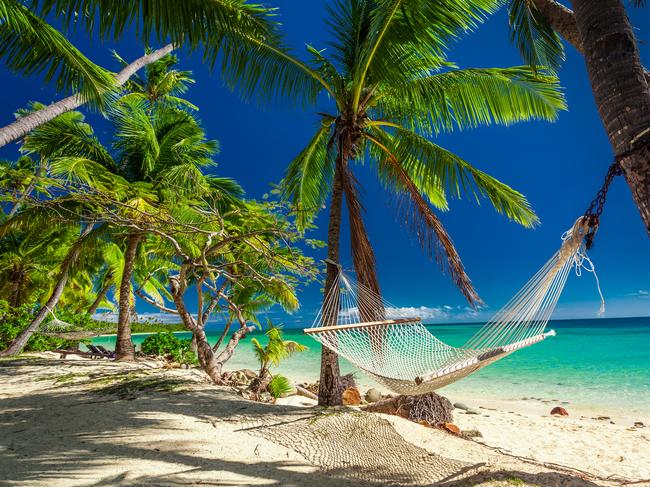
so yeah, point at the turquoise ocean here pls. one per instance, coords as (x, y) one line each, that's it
(599, 364)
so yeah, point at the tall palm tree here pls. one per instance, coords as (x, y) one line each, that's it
(392, 90)
(601, 31)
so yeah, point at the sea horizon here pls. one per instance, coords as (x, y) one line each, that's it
(599, 363)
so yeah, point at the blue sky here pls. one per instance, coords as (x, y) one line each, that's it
(559, 167)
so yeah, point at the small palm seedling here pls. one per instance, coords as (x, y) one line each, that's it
(276, 350)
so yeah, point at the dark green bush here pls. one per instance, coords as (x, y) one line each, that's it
(15, 320)
(169, 346)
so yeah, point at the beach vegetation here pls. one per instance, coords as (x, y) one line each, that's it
(279, 385)
(145, 219)
(170, 347)
(243, 37)
(273, 353)
(13, 320)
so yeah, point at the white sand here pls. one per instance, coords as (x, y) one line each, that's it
(56, 428)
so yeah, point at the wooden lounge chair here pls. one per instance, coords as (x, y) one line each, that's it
(100, 351)
(107, 353)
(92, 355)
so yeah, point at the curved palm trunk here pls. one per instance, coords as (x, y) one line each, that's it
(620, 89)
(98, 300)
(329, 390)
(17, 277)
(601, 31)
(23, 125)
(21, 340)
(124, 349)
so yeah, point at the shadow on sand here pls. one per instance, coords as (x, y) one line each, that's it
(58, 433)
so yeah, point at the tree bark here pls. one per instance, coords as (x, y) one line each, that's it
(17, 277)
(16, 346)
(23, 125)
(563, 21)
(124, 349)
(226, 328)
(211, 365)
(601, 32)
(432, 408)
(329, 389)
(620, 90)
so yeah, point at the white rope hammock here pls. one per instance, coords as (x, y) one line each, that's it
(67, 331)
(398, 350)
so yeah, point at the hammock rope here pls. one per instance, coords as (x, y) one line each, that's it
(397, 349)
(67, 331)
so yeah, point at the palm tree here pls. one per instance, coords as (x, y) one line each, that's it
(275, 351)
(601, 31)
(391, 90)
(243, 36)
(161, 83)
(30, 45)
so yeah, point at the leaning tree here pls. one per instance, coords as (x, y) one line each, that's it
(601, 31)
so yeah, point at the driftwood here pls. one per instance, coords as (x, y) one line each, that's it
(432, 408)
(301, 391)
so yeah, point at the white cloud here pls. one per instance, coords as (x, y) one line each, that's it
(159, 317)
(641, 293)
(426, 313)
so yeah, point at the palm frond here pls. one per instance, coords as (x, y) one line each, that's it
(308, 177)
(431, 163)
(427, 227)
(363, 254)
(539, 45)
(65, 135)
(467, 98)
(29, 45)
(401, 27)
(279, 385)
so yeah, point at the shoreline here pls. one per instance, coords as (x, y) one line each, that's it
(578, 398)
(190, 431)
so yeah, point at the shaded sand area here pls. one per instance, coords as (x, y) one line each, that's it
(85, 422)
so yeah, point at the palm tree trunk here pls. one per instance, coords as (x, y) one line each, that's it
(98, 300)
(23, 125)
(16, 346)
(620, 90)
(17, 277)
(124, 349)
(601, 31)
(329, 389)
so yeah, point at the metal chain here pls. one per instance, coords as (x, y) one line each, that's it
(598, 204)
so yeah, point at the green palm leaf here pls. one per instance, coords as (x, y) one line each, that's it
(467, 98)
(308, 177)
(538, 43)
(430, 164)
(29, 45)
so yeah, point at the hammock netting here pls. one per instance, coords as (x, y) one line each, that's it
(66, 331)
(398, 351)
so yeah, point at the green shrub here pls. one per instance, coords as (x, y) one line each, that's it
(15, 320)
(169, 346)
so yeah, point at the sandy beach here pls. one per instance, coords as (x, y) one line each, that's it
(89, 422)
